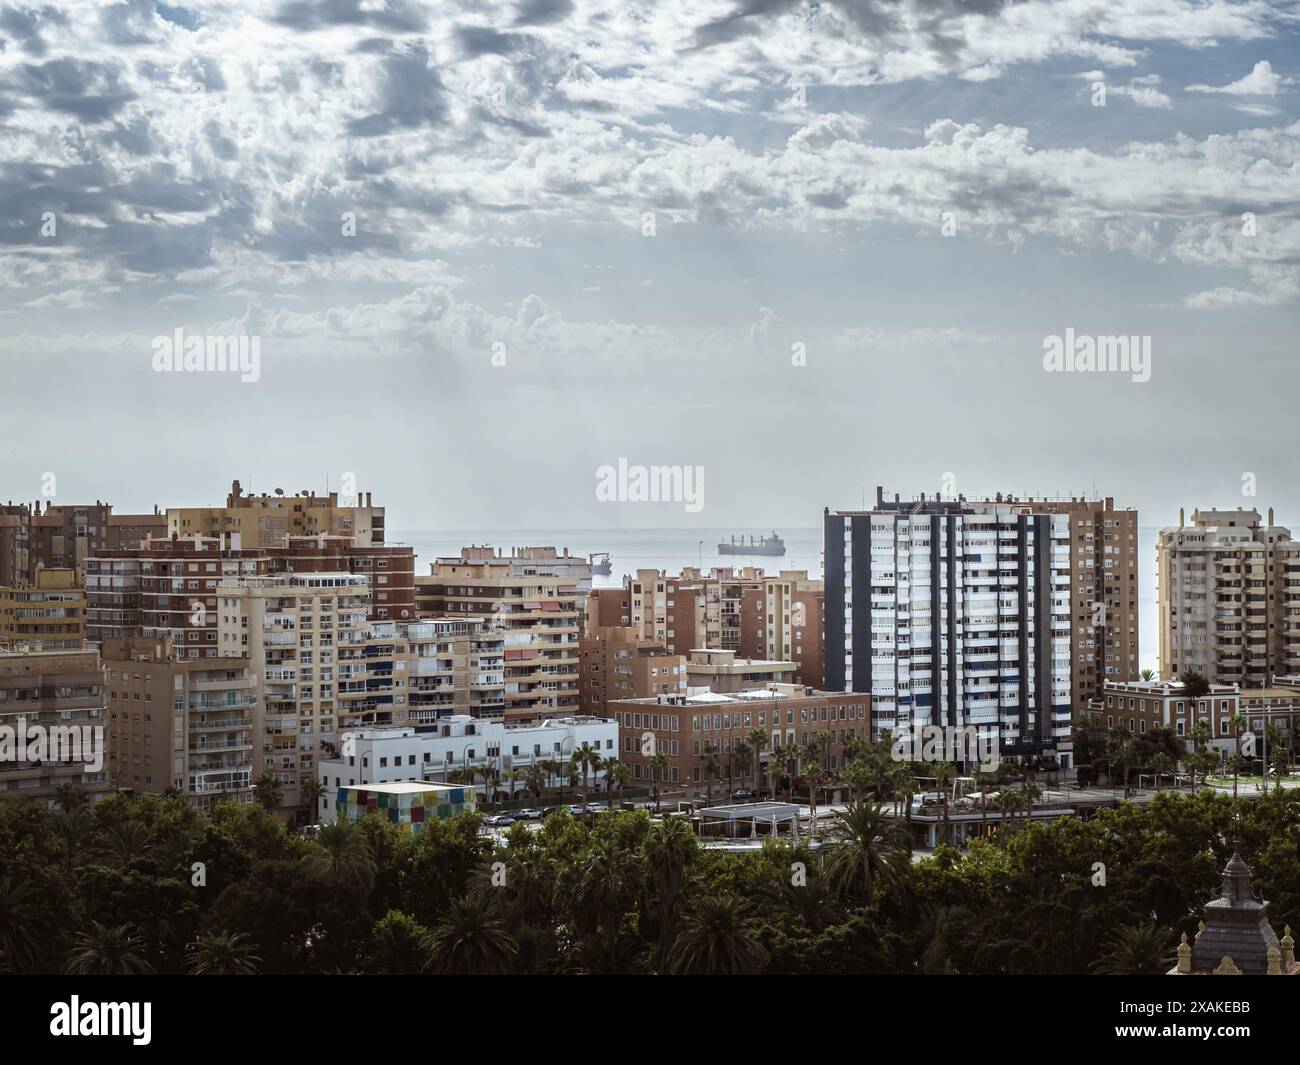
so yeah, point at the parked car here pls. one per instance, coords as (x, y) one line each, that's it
(499, 820)
(528, 815)
(742, 794)
(577, 809)
(595, 807)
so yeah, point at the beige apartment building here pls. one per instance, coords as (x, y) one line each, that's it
(50, 616)
(533, 597)
(45, 693)
(417, 672)
(265, 520)
(616, 663)
(180, 722)
(1228, 604)
(293, 629)
(744, 610)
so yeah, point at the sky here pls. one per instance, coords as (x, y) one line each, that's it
(796, 249)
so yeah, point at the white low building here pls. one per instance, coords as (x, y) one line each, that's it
(460, 742)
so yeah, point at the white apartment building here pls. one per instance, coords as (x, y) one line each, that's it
(954, 614)
(429, 753)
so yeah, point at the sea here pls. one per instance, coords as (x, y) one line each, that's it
(671, 549)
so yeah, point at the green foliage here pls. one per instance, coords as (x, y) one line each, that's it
(112, 889)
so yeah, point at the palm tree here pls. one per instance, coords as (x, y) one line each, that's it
(757, 740)
(1135, 950)
(867, 843)
(1008, 803)
(471, 940)
(22, 921)
(742, 756)
(718, 937)
(341, 854)
(710, 769)
(70, 797)
(104, 951)
(1200, 737)
(617, 774)
(268, 792)
(776, 767)
(668, 850)
(658, 764)
(588, 759)
(535, 780)
(814, 774)
(824, 741)
(126, 844)
(311, 792)
(983, 781)
(222, 954)
(1147, 674)
(902, 782)
(550, 769)
(944, 773)
(1160, 764)
(490, 775)
(1030, 793)
(858, 775)
(1236, 721)
(600, 888)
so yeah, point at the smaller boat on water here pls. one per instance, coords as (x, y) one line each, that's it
(600, 564)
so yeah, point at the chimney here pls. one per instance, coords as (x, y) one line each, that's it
(1270, 517)
(1180, 517)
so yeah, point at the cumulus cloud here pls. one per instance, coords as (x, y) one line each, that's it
(1261, 81)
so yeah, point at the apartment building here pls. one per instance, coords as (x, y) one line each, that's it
(1103, 592)
(53, 724)
(744, 610)
(533, 596)
(293, 629)
(422, 671)
(169, 586)
(180, 722)
(954, 614)
(62, 537)
(684, 728)
(616, 663)
(430, 753)
(1226, 599)
(49, 616)
(266, 520)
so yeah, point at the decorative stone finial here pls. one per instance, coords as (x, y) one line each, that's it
(1288, 950)
(1227, 967)
(1200, 927)
(1184, 955)
(1274, 961)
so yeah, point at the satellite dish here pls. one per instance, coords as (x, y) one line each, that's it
(279, 491)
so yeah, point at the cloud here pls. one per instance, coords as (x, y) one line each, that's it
(1261, 81)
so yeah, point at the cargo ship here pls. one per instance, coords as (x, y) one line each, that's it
(600, 564)
(761, 545)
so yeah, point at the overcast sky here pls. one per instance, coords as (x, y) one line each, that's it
(811, 248)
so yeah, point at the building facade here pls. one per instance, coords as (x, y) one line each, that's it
(616, 663)
(180, 723)
(955, 615)
(1229, 598)
(534, 598)
(686, 728)
(49, 615)
(54, 713)
(266, 520)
